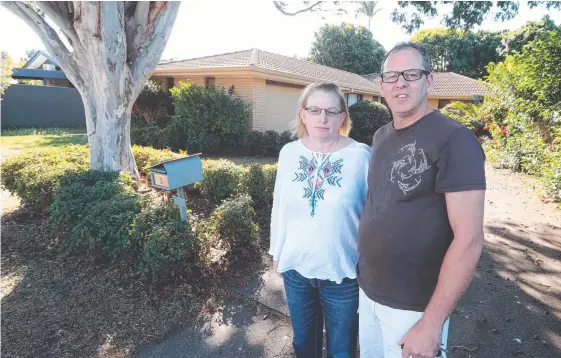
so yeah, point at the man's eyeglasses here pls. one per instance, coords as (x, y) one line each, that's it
(408, 75)
(316, 111)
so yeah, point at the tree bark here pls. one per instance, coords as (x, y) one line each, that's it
(109, 142)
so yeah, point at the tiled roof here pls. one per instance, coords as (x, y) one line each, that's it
(274, 62)
(446, 84)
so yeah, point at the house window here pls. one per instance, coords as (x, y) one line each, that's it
(352, 98)
(170, 82)
(443, 103)
(360, 97)
(210, 82)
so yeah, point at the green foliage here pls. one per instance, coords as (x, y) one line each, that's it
(211, 119)
(168, 247)
(271, 142)
(253, 142)
(514, 41)
(367, 118)
(153, 135)
(95, 211)
(6, 65)
(347, 48)
(146, 157)
(233, 222)
(259, 183)
(465, 53)
(464, 15)
(526, 110)
(34, 176)
(368, 9)
(469, 115)
(222, 179)
(153, 104)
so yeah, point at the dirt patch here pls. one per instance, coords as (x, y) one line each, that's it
(513, 306)
(59, 306)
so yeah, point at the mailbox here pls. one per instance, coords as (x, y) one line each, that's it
(177, 174)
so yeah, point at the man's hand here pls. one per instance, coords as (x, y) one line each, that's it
(421, 341)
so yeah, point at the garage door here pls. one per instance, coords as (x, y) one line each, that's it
(280, 107)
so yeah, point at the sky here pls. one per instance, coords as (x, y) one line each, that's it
(205, 28)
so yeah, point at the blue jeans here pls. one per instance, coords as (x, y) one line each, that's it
(310, 302)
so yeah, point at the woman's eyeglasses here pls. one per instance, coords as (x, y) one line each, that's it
(316, 111)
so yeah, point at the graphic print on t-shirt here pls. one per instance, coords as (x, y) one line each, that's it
(316, 175)
(407, 170)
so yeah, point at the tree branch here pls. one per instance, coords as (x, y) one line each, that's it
(156, 30)
(48, 36)
(58, 12)
(280, 7)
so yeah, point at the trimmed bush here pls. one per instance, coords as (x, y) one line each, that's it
(285, 138)
(146, 157)
(96, 211)
(210, 118)
(260, 183)
(168, 247)
(233, 222)
(153, 135)
(153, 104)
(270, 144)
(222, 179)
(253, 142)
(367, 118)
(34, 176)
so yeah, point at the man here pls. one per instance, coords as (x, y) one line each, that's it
(421, 231)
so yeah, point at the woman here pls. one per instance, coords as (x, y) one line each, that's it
(319, 192)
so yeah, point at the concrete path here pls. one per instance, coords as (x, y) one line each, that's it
(511, 309)
(242, 327)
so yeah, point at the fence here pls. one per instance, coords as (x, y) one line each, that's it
(41, 106)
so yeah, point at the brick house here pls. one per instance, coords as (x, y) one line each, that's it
(272, 83)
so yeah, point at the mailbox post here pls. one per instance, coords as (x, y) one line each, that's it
(177, 174)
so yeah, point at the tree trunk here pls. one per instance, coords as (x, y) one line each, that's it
(115, 47)
(108, 120)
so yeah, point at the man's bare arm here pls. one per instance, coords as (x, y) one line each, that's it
(465, 213)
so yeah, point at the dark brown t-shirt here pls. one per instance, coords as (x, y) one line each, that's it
(404, 231)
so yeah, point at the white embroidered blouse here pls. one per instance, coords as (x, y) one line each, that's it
(317, 203)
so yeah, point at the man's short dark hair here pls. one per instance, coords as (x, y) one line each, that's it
(407, 45)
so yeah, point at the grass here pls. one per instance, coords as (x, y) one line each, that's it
(42, 131)
(12, 145)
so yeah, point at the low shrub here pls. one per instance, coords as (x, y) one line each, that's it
(34, 176)
(146, 157)
(253, 142)
(285, 138)
(168, 248)
(95, 212)
(212, 119)
(367, 118)
(233, 222)
(152, 135)
(222, 179)
(153, 104)
(259, 183)
(270, 144)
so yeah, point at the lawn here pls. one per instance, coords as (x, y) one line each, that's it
(16, 140)
(59, 305)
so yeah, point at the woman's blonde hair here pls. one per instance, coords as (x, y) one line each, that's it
(297, 126)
